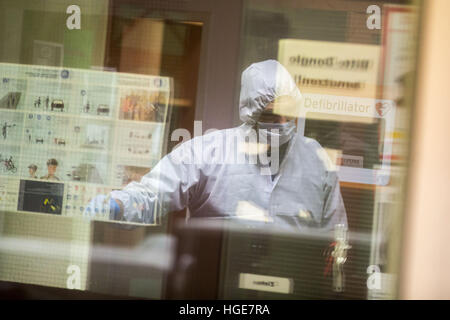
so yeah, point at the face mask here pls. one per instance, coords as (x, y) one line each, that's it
(268, 132)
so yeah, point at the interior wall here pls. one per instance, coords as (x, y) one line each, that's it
(64, 240)
(426, 262)
(23, 21)
(219, 77)
(217, 92)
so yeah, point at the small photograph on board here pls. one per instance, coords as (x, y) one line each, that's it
(41, 196)
(142, 105)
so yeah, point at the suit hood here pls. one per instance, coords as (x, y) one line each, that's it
(261, 83)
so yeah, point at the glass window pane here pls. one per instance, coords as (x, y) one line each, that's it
(114, 179)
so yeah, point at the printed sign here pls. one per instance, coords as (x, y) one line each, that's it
(333, 68)
(265, 283)
(87, 131)
(340, 108)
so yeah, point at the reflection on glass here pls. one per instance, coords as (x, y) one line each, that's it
(98, 165)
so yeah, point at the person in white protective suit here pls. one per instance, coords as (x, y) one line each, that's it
(260, 171)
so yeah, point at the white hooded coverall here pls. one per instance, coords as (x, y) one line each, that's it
(204, 176)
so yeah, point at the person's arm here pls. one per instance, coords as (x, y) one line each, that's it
(165, 188)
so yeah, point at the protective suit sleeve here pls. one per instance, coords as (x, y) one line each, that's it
(165, 188)
(333, 209)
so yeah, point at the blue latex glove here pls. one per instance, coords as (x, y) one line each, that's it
(101, 206)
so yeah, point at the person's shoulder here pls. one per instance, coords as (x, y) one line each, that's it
(195, 146)
(212, 134)
(309, 143)
(210, 137)
(314, 149)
